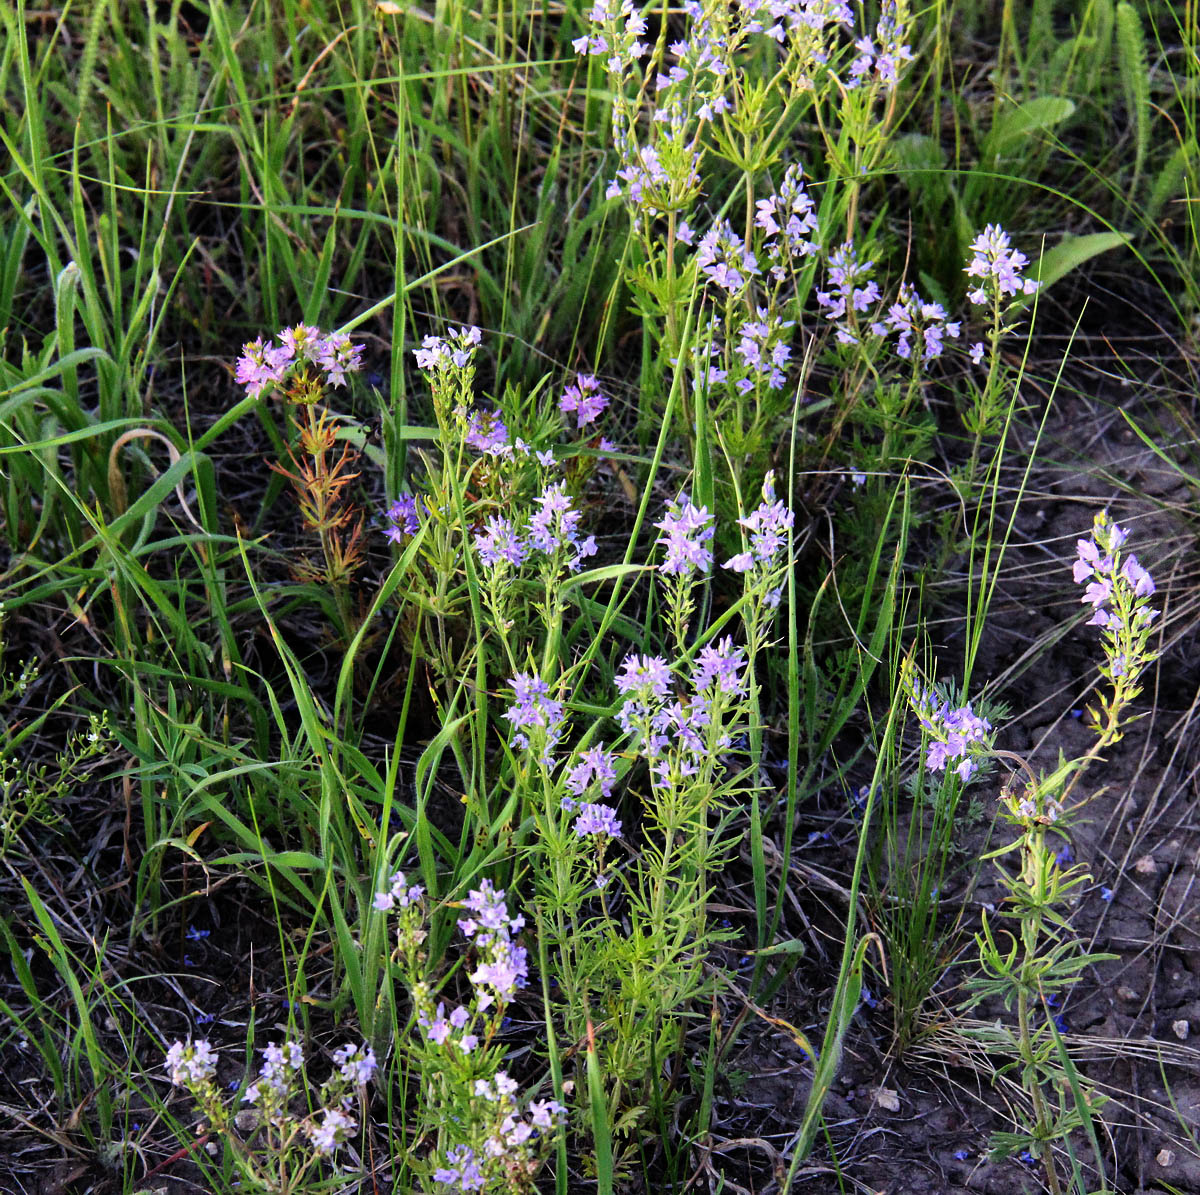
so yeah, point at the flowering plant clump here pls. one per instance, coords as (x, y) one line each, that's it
(728, 86)
(488, 1140)
(1044, 963)
(276, 1145)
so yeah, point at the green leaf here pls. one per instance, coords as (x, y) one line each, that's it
(1071, 252)
(1017, 124)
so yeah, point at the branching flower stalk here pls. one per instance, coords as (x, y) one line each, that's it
(1042, 960)
(276, 1150)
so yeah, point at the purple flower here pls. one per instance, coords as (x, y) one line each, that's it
(356, 1064)
(911, 317)
(258, 368)
(487, 434)
(645, 675)
(398, 895)
(976, 352)
(404, 518)
(455, 351)
(585, 398)
(462, 1171)
(554, 527)
(789, 218)
(884, 64)
(998, 266)
(595, 766)
(686, 530)
(762, 352)
(337, 356)
(1142, 582)
(332, 1131)
(768, 525)
(597, 819)
(723, 665)
(544, 1113)
(1098, 592)
(722, 257)
(534, 710)
(499, 543)
(191, 1064)
(301, 343)
(955, 734)
(851, 291)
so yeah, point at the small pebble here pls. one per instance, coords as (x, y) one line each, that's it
(1180, 1029)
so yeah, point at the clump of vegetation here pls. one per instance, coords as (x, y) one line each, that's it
(514, 712)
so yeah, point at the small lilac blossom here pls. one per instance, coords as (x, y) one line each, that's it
(499, 543)
(1117, 588)
(504, 974)
(882, 65)
(763, 352)
(338, 356)
(723, 258)
(403, 518)
(503, 965)
(585, 398)
(594, 766)
(768, 524)
(644, 674)
(851, 291)
(456, 350)
(191, 1064)
(599, 820)
(356, 1064)
(998, 266)
(616, 39)
(554, 527)
(535, 710)
(399, 894)
(955, 734)
(256, 370)
(976, 352)
(544, 1113)
(438, 1030)
(301, 343)
(910, 317)
(686, 531)
(461, 1171)
(789, 220)
(488, 434)
(685, 724)
(334, 1130)
(722, 665)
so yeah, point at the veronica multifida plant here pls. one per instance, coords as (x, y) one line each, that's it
(1030, 966)
(280, 1142)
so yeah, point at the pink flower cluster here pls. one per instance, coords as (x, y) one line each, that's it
(263, 367)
